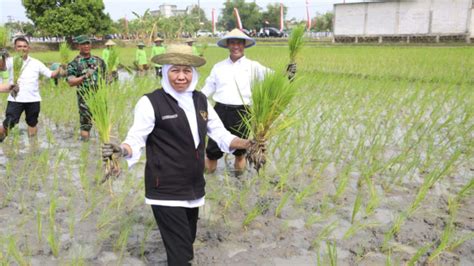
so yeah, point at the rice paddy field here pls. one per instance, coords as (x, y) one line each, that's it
(377, 168)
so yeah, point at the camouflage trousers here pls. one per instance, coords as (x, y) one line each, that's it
(85, 117)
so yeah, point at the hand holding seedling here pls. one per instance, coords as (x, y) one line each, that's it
(89, 73)
(110, 150)
(291, 70)
(14, 89)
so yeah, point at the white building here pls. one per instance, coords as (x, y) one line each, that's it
(167, 10)
(431, 20)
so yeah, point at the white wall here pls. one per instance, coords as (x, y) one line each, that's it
(472, 22)
(350, 19)
(382, 14)
(405, 17)
(414, 17)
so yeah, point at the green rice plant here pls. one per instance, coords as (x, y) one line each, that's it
(53, 238)
(456, 243)
(357, 201)
(445, 240)
(39, 226)
(121, 242)
(420, 252)
(17, 255)
(101, 113)
(282, 203)
(296, 42)
(332, 252)
(256, 211)
(324, 234)
(358, 226)
(64, 54)
(268, 114)
(3, 36)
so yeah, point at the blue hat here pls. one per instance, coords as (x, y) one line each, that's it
(236, 34)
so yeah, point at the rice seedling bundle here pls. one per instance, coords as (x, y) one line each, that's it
(270, 99)
(98, 102)
(3, 37)
(17, 68)
(64, 53)
(296, 42)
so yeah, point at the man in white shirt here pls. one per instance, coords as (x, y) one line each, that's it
(28, 98)
(229, 85)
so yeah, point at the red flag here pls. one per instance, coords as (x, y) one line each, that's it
(281, 16)
(213, 21)
(308, 23)
(237, 17)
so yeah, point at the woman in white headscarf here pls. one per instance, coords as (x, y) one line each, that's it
(172, 123)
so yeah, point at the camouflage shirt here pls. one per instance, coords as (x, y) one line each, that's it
(79, 67)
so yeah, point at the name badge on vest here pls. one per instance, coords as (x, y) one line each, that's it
(203, 115)
(165, 117)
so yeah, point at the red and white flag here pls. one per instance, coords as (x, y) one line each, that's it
(308, 19)
(213, 21)
(237, 17)
(281, 16)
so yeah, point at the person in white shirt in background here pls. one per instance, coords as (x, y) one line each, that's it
(229, 85)
(172, 124)
(28, 98)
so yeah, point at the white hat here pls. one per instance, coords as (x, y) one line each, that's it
(110, 42)
(236, 34)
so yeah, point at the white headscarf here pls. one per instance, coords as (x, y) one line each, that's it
(184, 99)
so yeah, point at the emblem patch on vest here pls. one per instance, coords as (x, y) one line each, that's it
(204, 115)
(165, 117)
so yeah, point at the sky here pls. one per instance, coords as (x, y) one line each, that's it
(13, 9)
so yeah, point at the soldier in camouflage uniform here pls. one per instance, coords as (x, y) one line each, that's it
(84, 72)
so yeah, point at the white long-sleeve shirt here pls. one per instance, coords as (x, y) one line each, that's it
(230, 82)
(29, 80)
(143, 124)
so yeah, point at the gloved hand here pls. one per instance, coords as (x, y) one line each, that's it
(112, 149)
(14, 89)
(291, 70)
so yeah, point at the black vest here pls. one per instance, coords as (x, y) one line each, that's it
(175, 168)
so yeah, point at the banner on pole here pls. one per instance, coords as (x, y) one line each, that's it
(213, 21)
(308, 19)
(281, 17)
(237, 17)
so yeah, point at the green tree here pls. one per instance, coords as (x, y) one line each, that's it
(250, 15)
(272, 15)
(68, 17)
(323, 22)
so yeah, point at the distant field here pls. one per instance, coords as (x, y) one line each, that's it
(377, 170)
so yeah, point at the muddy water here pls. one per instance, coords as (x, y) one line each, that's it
(28, 187)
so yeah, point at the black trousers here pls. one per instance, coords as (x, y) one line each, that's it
(231, 117)
(14, 111)
(178, 230)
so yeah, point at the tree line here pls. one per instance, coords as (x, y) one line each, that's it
(72, 17)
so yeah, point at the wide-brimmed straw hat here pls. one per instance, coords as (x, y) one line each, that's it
(179, 54)
(110, 42)
(236, 34)
(141, 44)
(158, 39)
